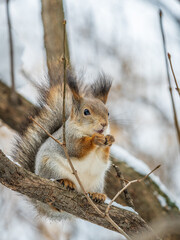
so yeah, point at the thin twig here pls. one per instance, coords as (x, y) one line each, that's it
(63, 145)
(168, 77)
(142, 179)
(126, 186)
(170, 62)
(64, 91)
(127, 195)
(32, 119)
(64, 135)
(13, 95)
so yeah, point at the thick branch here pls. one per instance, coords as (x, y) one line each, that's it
(44, 190)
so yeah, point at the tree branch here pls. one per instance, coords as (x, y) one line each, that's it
(168, 78)
(123, 181)
(127, 185)
(19, 179)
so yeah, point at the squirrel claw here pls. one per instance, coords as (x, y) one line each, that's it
(67, 184)
(109, 140)
(99, 139)
(97, 197)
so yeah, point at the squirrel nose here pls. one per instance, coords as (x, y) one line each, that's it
(103, 125)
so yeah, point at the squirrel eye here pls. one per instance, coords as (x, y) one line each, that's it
(86, 112)
(108, 113)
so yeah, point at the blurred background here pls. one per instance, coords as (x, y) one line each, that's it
(120, 38)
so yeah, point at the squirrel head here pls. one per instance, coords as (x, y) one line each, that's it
(89, 112)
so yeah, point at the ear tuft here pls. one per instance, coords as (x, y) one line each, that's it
(101, 87)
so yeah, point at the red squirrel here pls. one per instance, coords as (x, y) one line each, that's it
(88, 138)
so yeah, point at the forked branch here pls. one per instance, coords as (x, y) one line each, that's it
(127, 185)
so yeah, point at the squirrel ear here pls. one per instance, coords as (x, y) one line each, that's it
(101, 87)
(73, 85)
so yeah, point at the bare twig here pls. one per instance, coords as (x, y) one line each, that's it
(126, 186)
(13, 95)
(127, 196)
(170, 62)
(64, 92)
(168, 77)
(65, 149)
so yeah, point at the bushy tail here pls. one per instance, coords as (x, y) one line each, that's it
(49, 115)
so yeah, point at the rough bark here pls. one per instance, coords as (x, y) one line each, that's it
(44, 190)
(53, 16)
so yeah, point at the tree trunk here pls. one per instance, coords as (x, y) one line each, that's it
(53, 16)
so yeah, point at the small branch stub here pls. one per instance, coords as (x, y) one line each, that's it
(172, 70)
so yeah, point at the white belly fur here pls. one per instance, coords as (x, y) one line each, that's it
(91, 170)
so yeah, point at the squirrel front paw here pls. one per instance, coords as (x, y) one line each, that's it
(109, 140)
(67, 184)
(99, 139)
(97, 197)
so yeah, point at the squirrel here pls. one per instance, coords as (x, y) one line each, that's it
(88, 138)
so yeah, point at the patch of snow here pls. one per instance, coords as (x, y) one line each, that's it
(86, 230)
(120, 206)
(162, 200)
(10, 158)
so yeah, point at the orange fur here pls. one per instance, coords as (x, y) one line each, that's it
(67, 183)
(106, 151)
(85, 145)
(97, 197)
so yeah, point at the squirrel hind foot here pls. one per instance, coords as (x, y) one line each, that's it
(67, 184)
(97, 197)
